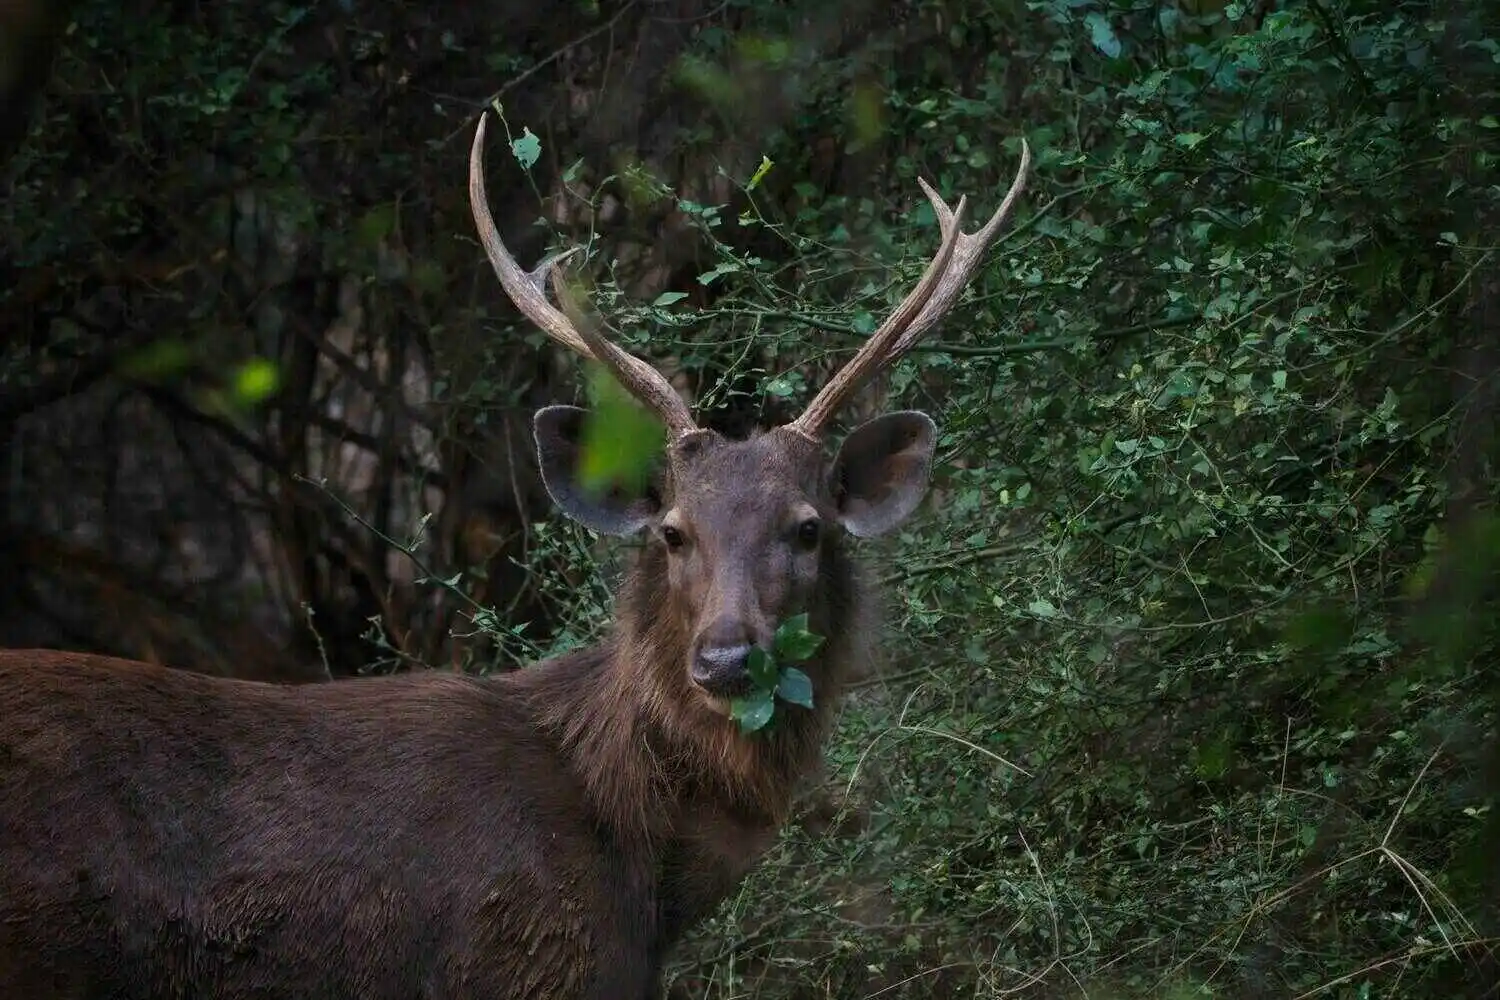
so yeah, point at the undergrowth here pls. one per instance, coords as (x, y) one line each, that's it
(1188, 694)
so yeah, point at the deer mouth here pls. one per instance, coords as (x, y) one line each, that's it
(718, 705)
(721, 697)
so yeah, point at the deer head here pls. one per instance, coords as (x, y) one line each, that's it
(746, 531)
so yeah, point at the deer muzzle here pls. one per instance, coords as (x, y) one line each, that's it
(722, 670)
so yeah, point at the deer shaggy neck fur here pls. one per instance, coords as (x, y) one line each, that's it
(642, 739)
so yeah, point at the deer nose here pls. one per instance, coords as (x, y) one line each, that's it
(722, 670)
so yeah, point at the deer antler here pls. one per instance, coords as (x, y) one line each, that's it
(947, 274)
(528, 291)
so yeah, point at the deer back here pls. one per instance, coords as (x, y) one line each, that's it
(164, 834)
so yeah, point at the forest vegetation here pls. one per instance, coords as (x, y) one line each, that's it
(1190, 683)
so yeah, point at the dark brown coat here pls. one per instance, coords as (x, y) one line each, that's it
(548, 833)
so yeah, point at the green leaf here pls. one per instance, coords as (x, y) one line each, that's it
(667, 298)
(621, 440)
(760, 173)
(796, 687)
(867, 111)
(1102, 34)
(753, 711)
(255, 380)
(1042, 608)
(793, 625)
(158, 360)
(794, 642)
(762, 668)
(719, 270)
(527, 149)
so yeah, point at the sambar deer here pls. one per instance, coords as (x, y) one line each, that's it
(547, 833)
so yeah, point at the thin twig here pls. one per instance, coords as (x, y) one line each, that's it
(527, 73)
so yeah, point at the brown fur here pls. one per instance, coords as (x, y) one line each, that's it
(548, 833)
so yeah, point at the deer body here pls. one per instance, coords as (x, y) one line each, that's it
(544, 833)
(167, 835)
(550, 833)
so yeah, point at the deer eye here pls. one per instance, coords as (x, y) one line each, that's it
(808, 532)
(671, 536)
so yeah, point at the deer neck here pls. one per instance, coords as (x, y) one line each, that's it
(653, 753)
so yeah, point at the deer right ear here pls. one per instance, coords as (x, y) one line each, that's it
(559, 448)
(881, 472)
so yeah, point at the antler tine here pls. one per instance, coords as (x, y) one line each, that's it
(870, 358)
(528, 291)
(644, 382)
(950, 270)
(967, 257)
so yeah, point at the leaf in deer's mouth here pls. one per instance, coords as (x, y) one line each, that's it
(793, 640)
(771, 680)
(753, 711)
(795, 687)
(762, 669)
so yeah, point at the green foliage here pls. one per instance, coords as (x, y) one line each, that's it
(621, 439)
(771, 677)
(255, 381)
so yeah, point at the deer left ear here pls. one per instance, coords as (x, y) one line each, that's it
(559, 448)
(881, 472)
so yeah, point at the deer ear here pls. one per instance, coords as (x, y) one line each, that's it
(881, 472)
(559, 447)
